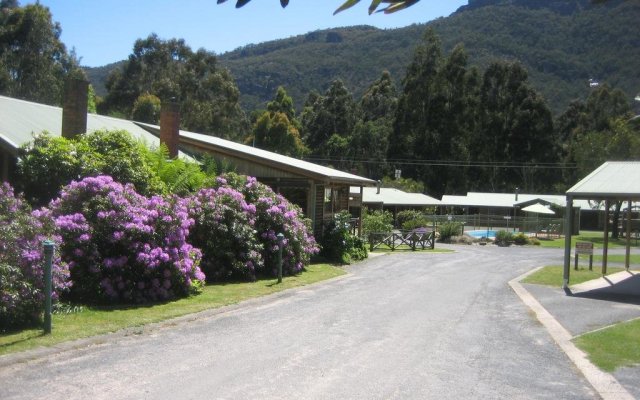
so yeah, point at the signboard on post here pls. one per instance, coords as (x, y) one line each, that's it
(584, 248)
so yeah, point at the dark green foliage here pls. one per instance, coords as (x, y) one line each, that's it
(448, 230)
(514, 127)
(33, 61)
(413, 219)
(45, 166)
(376, 221)
(520, 239)
(504, 238)
(49, 163)
(338, 244)
(330, 115)
(369, 140)
(169, 69)
(283, 103)
(146, 109)
(405, 184)
(597, 130)
(561, 43)
(435, 116)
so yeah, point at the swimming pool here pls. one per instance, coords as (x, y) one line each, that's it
(482, 233)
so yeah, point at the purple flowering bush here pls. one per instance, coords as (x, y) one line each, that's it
(274, 214)
(124, 247)
(22, 261)
(224, 231)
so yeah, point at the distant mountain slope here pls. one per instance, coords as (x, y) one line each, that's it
(98, 76)
(563, 43)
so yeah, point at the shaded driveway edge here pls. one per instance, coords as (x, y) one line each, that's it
(605, 384)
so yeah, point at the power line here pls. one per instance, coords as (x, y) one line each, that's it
(447, 163)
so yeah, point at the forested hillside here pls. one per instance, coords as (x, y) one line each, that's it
(562, 43)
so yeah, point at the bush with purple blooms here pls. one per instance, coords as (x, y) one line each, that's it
(22, 263)
(275, 214)
(123, 247)
(224, 231)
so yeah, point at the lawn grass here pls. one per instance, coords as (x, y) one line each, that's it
(587, 236)
(609, 348)
(552, 275)
(613, 347)
(618, 258)
(93, 321)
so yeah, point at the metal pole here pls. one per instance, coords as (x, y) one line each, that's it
(567, 241)
(48, 258)
(280, 246)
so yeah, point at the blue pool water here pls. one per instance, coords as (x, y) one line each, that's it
(482, 232)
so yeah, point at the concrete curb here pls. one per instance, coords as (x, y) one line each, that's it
(79, 344)
(605, 384)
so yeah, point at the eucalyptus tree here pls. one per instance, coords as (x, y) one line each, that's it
(369, 141)
(34, 63)
(598, 130)
(515, 137)
(169, 69)
(329, 121)
(436, 112)
(277, 128)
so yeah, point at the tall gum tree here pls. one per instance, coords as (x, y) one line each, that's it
(34, 63)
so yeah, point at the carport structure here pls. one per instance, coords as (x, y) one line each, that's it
(613, 181)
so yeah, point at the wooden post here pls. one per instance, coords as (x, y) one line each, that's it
(605, 243)
(628, 235)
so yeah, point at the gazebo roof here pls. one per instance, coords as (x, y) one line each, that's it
(614, 180)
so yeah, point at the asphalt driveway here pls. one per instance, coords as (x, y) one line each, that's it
(406, 326)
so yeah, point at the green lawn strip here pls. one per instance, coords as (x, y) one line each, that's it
(617, 258)
(552, 275)
(93, 321)
(586, 236)
(613, 347)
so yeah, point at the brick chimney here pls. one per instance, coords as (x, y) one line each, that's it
(74, 110)
(170, 126)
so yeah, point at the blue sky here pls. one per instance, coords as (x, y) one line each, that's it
(104, 31)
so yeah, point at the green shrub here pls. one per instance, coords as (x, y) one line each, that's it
(338, 244)
(275, 214)
(534, 241)
(122, 247)
(520, 239)
(449, 229)
(504, 238)
(22, 233)
(377, 221)
(49, 163)
(413, 219)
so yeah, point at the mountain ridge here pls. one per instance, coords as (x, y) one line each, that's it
(562, 43)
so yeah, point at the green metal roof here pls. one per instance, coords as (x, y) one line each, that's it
(20, 120)
(618, 180)
(267, 158)
(394, 197)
